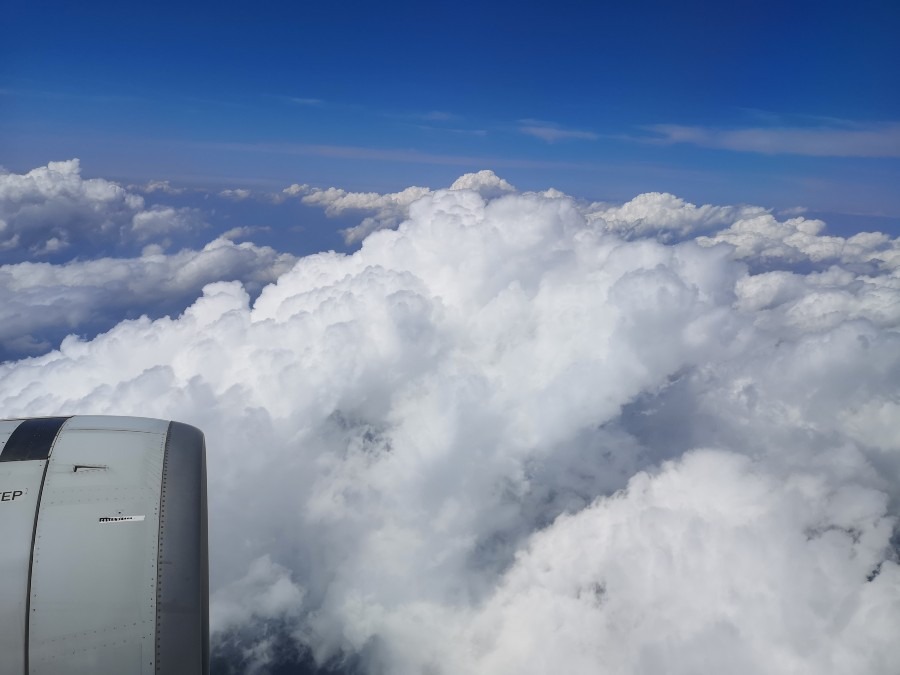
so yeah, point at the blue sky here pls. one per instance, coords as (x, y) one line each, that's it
(781, 104)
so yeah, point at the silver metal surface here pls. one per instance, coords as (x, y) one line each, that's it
(106, 595)
(113, 423)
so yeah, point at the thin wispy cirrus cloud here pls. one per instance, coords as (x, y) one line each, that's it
(438, 116)
(299, 100)
(846, 140)
(551, 132)
(439, 122)
(452, 130)
(355, 152)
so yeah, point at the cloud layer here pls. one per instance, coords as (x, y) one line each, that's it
(872, 140)
(44, 302)
(522, 434)
(82, 254)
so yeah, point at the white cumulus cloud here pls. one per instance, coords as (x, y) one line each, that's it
(485, 182)
(388, 210)
(712, 564)
(664, 216)
(51, 208)
(763, 237)
(44, 301)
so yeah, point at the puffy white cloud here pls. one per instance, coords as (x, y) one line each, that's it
(764, 238)
(485, 182)
(389, 209)
(822, 299)
(754, 232)
(50, 208)
(656, 214)
(712, 564)
(44, 302)
(665, 216)
(336, 201)
(501, 438)
(159, 221)
(296, 189)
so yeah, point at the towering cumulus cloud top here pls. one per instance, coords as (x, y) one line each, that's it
(517, 434)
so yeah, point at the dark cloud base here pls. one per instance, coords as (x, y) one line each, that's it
(232, 653)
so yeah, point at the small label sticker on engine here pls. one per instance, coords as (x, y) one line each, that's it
(121, 519)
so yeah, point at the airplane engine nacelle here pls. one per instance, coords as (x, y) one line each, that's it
(103, 547)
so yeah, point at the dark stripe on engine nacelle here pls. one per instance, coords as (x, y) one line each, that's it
(32, 439)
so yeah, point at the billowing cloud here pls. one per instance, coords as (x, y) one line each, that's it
(665, 216)
(503, 438)
(336, 201)
(159, 221)
(485, 182)
(757, 235)
(711, 564)
(763, 238)
(660, 215)
(872, 140)
(388, 209)
(44, 302)
(52, 208)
